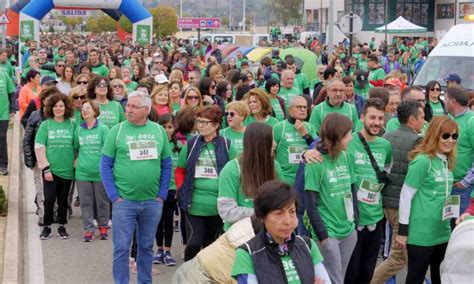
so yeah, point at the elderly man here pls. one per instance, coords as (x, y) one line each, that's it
(136, 170)
(411, 93)
(288, 90)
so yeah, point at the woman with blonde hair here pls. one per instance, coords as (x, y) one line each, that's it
(260, 107)
(82, 80)
(192, 98)
(67, 80)
(119, 90)
(177, 76)
(236, 113)
(77, 95)
(426, 203)
(216, 73)
(160, 100)
(115, 73)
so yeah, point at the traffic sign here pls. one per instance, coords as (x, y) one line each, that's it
(203, 23)
(345, 23)
(4, 19)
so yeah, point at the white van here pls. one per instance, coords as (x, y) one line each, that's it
(454, 53)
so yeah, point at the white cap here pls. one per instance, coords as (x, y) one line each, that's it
(156, 54)
(161, 79)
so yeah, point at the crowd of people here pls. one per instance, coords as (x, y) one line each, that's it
(275, 178)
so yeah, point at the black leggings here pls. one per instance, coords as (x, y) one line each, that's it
(165, 227)
(201, 231)
(419, 258)
(56, 190)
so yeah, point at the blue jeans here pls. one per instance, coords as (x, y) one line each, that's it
(126, 215)
(465, 197)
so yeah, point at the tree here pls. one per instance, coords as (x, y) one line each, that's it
(101, 24)
(164, 21)
(287, 10)
(126, 24)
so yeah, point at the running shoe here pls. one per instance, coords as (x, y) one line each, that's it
(103, 233)
(62, 233)
(88, 237)
(158, 258)
(168, 260)
(46, 233)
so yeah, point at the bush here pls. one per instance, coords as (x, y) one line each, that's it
(3, 203)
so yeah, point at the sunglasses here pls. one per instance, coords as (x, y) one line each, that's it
(435, 89)
(229, 113)
(213, 86)
(79, 98)
(102, 85)
(117, 86)
(82, 82)
(193, 98)
(60, 65)
(446, 136)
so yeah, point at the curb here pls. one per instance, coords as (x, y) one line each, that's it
(12, 259)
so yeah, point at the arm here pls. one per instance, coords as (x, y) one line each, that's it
(40, 151)
(468, 180)
(29, 146)
(108, 179)
(165, 177)
(355, 203)
(406, 197)
(230, 212)
(247, 279)
(321, 274)
(311, 200)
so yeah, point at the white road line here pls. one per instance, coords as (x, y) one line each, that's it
(33, 254)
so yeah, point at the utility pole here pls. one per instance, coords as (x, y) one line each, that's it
(330, 34)
(243, 20)
(321, 18)
(230, 15)
(268, 17)
(386, 22)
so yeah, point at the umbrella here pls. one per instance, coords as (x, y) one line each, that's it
(305, 60)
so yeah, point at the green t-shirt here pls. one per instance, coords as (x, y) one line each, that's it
(332, 179)
(432, 181)
(287, 94)
(206, 180)
(89, 143)
(369, 193)
(237, 139)
(377, 74)
(277, 109)
(301, 82)
(137, 151)
(101, 70)
(437, 108)
(58, 138)
(363, 92)
(363, 64)
(77, 118)
(6, 87)
(320, 112)
(270, 120)
(243, 264)
(131, 86)
(465, 145)
(111, 113)
(290, 146)
(230, 186)
(393, 124)
(7, 68)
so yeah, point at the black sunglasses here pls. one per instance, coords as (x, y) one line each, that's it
(446, 136)
(436, 89)
(79, 97)
(82, 82)
(229, 113)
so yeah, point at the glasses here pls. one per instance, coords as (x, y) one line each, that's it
(193, 98)
(60, 65)
(76, 98)
(300, 107)
(321, 73)
(229, 113)
(213, 86)
(120, 58)
(82, 82)
(117, 86)
(102, 85)
(435, 89)
(446, 136)
(203, 122)
(86, 108)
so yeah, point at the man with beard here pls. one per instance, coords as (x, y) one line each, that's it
(372, 159)
(97, 66)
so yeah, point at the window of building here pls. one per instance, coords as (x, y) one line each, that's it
(415, 11)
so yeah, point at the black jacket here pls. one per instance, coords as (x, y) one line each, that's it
(429, 111)
(29, 138)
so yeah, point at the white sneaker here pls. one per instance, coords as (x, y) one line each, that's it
(95, 223)
(110, 224)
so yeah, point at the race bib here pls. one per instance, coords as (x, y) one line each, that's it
(142, 150)
(295, 153)
(451, 207)
(369, 192)
(205, 169)
(349, 206)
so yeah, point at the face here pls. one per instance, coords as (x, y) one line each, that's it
(346, 140)
(349, 89)
(255, 105)
(281, 223)
(82, 81)
(212, 88)
(299, 109)
(126, 73)
(117, 89)
(102, 88)
(42, 54)
(175, 91)
(321, 74)
(373, 121)
(447, 141)
(59, 109)
(70, 58)
(288, 80)
(292, 67)
(417, 122)
(169, 128)
(68, 73)
(435, 92)
(87, 111)
(113, 74)
(394, 101)
(274, 89)
(336, 93)
(162, 98)
(234, 118)
(417, 96)
(77, 100)
(136, 71)
(93, 57)
(206, 127)
(192, 99)
(371, 64)
(135, 112)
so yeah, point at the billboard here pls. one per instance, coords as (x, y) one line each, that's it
(202, 23)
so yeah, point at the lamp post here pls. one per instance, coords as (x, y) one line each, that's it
(243, 20)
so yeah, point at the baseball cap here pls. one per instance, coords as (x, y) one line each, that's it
(161, 79)
(453, 77)
(156, 54)
(394, 82)
(361, 77)
(48, 80)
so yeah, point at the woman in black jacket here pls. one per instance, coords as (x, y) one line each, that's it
(32, 126)
(434, 106)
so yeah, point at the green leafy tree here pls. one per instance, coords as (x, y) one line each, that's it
(101, 24)
(126, 24)
(164, 21)
(287, 10)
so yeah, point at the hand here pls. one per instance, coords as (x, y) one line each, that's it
(12, 115)
(208, 99)
(318, 281)
(159, 199)
(459, 185)
(299, 125)
(120, 199)
(401, 241)
(75, 163)
(48, 176)
(312, 156)
(462, 217)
